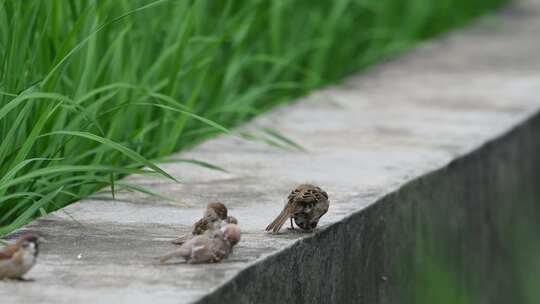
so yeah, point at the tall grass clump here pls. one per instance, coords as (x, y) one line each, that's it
(93, 90)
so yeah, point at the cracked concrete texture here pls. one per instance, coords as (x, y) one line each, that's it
(364, 139)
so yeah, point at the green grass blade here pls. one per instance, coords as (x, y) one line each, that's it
(115, 146)
(195, 162)
(29, 213)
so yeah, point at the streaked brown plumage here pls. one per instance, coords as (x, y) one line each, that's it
(18, 258)
(202, 225)
(216, 211)
(211, 247)
(215, 215)
(306, 205)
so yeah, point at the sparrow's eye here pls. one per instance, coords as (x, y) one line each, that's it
(313, 225)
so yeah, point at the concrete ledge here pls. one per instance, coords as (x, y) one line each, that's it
(447, 220)
(420, 157)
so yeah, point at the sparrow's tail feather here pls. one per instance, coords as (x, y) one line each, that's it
(279, 221)
(177, 253)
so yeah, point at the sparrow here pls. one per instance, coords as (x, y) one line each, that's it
(214, 217)
(18, 258)
(306, 205)
(215, 211)
(210, 247)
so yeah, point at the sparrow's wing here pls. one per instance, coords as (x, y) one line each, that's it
(184, 250)
(181, 252)
(220, 249)
(307, 195)
(203, 252)
(292, 196)
(200, 226)
(321, 194)
(181, 239)
(7, 252)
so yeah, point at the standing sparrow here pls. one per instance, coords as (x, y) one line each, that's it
(306, 205)
(214, 217)
(211, 247)
(18, 258)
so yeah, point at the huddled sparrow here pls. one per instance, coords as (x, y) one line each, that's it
(215, 211)
(214, 217)
(18, 258)
(210, 247)
(306, 205)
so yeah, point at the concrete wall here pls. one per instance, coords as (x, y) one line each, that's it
(447, 237)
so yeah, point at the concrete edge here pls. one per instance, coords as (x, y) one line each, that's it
(231, 288)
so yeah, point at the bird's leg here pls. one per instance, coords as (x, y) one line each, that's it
(292, 227)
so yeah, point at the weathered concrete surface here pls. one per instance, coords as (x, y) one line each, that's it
(414, 154)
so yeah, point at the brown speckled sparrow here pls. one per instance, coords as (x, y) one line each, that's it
(214, 217)
(306, 205)
(215, 211)
(211, 247)
(18, 258)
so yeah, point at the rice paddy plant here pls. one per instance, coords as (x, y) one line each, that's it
(93, 90)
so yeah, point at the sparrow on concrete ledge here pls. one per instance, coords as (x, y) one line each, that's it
(18, 258)
(306, 205)
(210, 247)
(215, 216)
